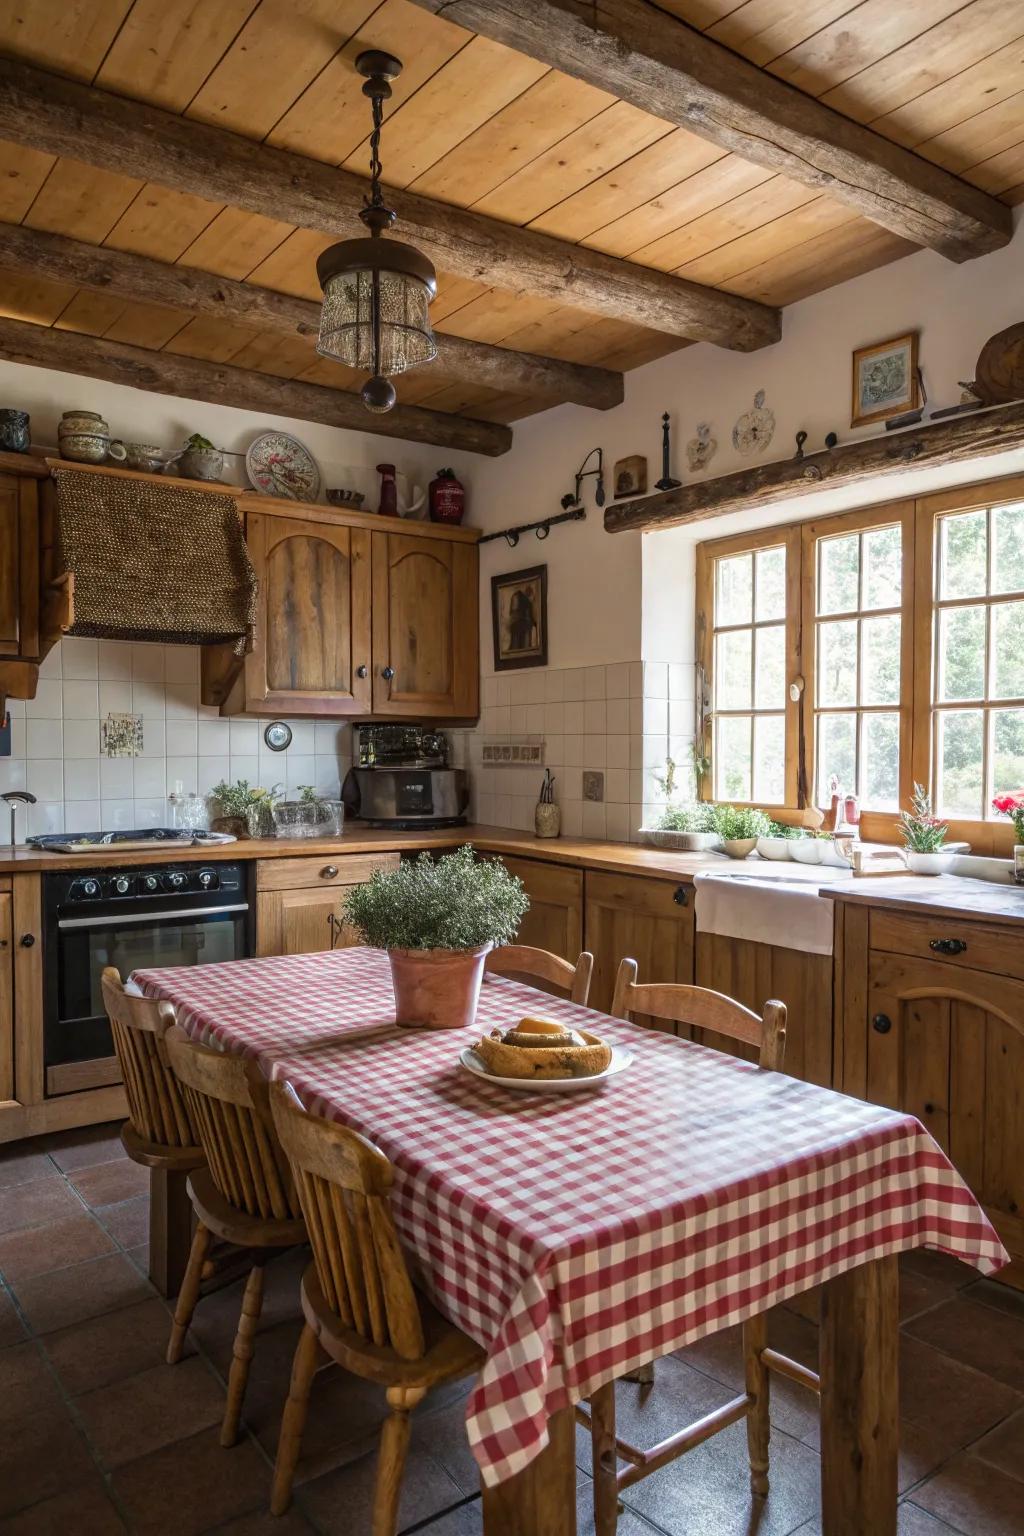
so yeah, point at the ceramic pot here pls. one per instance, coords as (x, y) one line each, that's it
(1018, 863)
(927, 863)
(547, 819)
(146, 457)
(235, 825)
(84, 437)
(437, 988)
(686, 842)
(14, 430)
(805, 850)
(738, 847)
(202, 464)
(774, 847)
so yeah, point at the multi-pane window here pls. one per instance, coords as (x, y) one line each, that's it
(977, 702)
(749, 695)
(856, 682)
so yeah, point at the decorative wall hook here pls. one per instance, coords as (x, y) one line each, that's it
(541, 528)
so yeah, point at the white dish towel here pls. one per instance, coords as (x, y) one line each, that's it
(786, 912)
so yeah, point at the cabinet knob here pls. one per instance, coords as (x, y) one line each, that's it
(27, 940)
(387, 673)
(948, 946)
(329, 872)
(360, 671)
(882, 1023)
(679, 896)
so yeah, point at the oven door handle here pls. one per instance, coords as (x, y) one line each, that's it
(148, 917)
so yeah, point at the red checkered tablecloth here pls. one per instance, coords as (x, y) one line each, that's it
(577, 1236)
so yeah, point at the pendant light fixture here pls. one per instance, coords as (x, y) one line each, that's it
(375, 314)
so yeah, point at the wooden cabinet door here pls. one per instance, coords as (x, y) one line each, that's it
(555, 919)
(301, 922)
(947, 1045)
(19, 568)
(312, 647)
(426, 642)
(754, 973)
(651, 921)
(6, 1000)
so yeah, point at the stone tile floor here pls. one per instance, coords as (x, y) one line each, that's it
(98, 1436)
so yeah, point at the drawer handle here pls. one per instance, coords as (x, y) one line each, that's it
(679, 896)
(329, 872)
(27, 940)
(948, 946)
(882, 1023)
(361, 671)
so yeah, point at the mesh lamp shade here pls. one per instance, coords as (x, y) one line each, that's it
(376, 311)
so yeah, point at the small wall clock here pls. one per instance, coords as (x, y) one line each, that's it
(278, 736)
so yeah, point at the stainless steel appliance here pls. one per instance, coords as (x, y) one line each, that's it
(180, 914)
(402, 779)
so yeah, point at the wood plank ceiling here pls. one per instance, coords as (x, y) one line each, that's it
(479, 126)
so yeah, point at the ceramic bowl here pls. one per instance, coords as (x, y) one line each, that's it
(342, 498)
(738, 847)
(805, 850)
(939, 863)
(774, 847)
(686, 842)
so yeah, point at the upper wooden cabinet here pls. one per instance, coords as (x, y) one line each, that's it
(425, 628)
(21, 553)
(354, 619)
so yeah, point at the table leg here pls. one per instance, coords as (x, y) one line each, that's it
(540, 1500)
(170, 1228)
(859, 1401)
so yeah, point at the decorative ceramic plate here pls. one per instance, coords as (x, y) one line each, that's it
(621, 1059)
(279, 465)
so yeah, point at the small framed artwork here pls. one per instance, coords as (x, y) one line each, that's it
(630, 476)
(885, 380)
(519, 614)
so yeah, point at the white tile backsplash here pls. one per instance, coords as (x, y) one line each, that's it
(55, 740)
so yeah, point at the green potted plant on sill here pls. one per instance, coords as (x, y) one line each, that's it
(739, 827)
(437, 919)
(925, 849)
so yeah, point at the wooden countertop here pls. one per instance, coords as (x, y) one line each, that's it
(937, 895)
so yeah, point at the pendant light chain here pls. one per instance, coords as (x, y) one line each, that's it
(376, 168)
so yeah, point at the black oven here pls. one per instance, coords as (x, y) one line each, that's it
(184, 914)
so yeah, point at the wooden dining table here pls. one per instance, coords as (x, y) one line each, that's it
(577, 1236)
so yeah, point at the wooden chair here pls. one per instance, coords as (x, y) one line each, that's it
(159, 1132)
(522, 960)
(245, 1195)
(358, 1298)
(698, 1008)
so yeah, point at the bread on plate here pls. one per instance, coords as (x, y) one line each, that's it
(543, 1050)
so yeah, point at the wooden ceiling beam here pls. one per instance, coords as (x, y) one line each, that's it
(651, 59)
(192, 378)
(952, 441)
(64, 117)
(140, 279)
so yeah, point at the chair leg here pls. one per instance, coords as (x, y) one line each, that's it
(189, 1293)
(293, 1422)
(755, 1337)
(394, 1443)
(252, 1305)
(602, 1435)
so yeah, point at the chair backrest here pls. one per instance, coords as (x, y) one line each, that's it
(522, 960)
(228, 1099)
(700, 1008)
(156, 1108)
(344, 1182)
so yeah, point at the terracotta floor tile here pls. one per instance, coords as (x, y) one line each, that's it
(939, 1266)
(26, 1384)
(974, 1497)
(911, 1521)
(37, 1202)
(104, 1349)
(41, 1454)
(990, 1340)
(194, 1485)
(21, 1161)
(66, 1296)
(944, 1406)
(127, 1220)
(82, 1511)
(86, 1146)
(1004, 1447)
(140, 1257)
(142, 1413)
(1004, 1298)
(34, 1250)
(108, 1183)
(342, 1500)
(12, 1330)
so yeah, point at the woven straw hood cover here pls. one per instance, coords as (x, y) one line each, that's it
(153, 562)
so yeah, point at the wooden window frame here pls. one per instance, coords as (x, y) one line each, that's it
(917, 517)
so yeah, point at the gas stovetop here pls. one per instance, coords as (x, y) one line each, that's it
(142, 838)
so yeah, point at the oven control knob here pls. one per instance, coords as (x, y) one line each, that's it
(150, 884)
(90, 888)
(176, 880)
(208, 880)
(120, 885)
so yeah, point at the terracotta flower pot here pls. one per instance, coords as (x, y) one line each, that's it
(437, 988)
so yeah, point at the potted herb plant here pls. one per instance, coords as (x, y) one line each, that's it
(437, 919)
(1012, 805)
(924, 837)
(200, 460)
(739, 828)
(244, 809)
(684, 826)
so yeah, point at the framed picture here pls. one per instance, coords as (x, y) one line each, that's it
(630, 476)
(885, 380)
(519, 614)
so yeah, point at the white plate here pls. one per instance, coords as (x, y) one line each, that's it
(621, 1058)
(279, 465)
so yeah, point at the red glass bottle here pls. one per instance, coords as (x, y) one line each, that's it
(388, 491)
(447, 498)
